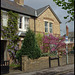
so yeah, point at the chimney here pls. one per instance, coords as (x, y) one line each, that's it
(66, 30)
(20, 2)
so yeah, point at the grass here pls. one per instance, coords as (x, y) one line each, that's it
(14, 66)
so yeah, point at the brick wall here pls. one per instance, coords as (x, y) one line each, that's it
(43, 63)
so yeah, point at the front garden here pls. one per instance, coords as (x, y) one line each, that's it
(33, 46)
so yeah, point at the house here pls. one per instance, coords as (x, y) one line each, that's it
(39, 20)
(70, 36)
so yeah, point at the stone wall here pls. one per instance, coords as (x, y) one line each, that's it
(36, 64)
(43, 63)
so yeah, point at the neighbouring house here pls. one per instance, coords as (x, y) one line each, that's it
(70, 39)
(39, 20)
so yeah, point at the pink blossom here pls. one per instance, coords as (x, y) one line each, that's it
(56, 41)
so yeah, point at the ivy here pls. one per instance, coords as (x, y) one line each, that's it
(11, 33)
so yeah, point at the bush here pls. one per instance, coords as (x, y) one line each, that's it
(29, 47)
(39, 38)
(73, 47)
(44, 54)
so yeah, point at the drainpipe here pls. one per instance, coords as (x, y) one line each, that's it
(34, 21)
(34, 26)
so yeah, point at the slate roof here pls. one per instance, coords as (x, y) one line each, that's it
(27, 10)
(11, 5)
(41, 10)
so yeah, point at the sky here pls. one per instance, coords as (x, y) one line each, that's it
(36, 4)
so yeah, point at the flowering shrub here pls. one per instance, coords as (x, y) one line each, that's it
(10, 33)
(53, 44)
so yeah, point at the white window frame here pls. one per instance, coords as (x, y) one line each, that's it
(4, 18)
(23, 23)
(46, 27)
(26, 22)
(51, 27)
(20, 22)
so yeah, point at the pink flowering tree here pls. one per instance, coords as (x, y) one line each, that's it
(53, 44)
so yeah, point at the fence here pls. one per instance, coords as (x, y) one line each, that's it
(44, 62)
(4, 67)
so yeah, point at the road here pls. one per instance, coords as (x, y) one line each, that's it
(69, 73)
(55, 73)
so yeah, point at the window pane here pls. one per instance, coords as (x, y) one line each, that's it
(50, 27)
(5, 19)
(50, 30)
(46, 26)
(50, 24)
(26, 23)
(71, 39)
(20, 22)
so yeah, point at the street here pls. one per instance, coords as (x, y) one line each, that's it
(53, 73)
(69, 73)
(62, 70)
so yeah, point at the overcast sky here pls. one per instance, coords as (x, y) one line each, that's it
(36, 4)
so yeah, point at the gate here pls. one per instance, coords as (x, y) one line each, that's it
(56, 58)
(4, 67)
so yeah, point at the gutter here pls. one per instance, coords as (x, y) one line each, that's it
(34, 21)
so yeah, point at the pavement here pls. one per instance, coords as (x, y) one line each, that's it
(60, 70)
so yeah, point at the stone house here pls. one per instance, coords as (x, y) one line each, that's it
(39, 20)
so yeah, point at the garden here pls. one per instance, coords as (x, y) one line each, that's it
(34, 45)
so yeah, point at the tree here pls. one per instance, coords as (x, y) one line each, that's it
(29, 47)
(53, 44)
(67, 5)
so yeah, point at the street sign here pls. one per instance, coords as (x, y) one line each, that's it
(66, 39)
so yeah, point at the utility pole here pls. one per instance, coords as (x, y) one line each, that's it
(66, 49)
(66, 53)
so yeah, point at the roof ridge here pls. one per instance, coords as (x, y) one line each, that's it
(43, 7)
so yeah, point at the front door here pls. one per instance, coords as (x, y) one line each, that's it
(3, 49)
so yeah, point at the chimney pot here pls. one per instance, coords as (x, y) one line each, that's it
(67, 30)
(20, 2)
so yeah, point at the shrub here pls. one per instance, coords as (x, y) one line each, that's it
(44, 54)
(29, 47)
(39, 39)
